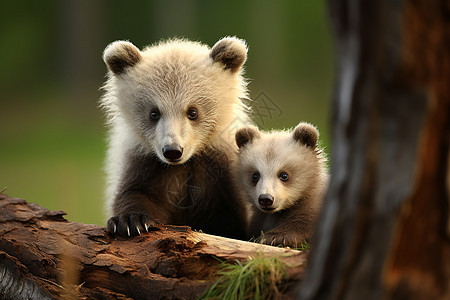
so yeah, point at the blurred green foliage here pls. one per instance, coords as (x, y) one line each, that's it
(52, 137)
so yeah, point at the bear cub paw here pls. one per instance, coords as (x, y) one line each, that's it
(132, 224)
(291, 240)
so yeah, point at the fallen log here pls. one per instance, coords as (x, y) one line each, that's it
(44, 256)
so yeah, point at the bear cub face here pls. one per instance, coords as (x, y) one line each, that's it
(279, 168)
(283, 176)
(172, 97)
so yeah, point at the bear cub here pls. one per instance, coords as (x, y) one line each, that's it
(173, 109)
(283, 176)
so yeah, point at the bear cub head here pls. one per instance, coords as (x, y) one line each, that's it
(176, 98)
(277, 169)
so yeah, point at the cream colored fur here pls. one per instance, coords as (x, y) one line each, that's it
(171, 76)
(269, 154)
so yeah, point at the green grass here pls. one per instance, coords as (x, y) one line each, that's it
(258, 278)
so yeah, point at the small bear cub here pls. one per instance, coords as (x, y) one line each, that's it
(283, 176)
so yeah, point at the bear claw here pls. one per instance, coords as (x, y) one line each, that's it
(128, 225)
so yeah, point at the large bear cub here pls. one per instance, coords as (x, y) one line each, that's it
(283, 176)
(172, 110)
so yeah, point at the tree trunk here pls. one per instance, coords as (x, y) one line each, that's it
(384, 229)
(43, 256)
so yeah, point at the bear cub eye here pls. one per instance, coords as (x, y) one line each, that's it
(283, 176)
(155, 115)
(255, 177)
(192, 113)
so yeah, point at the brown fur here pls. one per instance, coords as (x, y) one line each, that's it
(191, 194)
(307, 135)
(125, 57)
(288, 227)
(296, 201)
(246, 135)
(170, 80)
(229, 53)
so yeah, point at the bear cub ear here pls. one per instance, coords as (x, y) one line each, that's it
(231, 52)
(246, 135)
(121, 54)
(306, 134)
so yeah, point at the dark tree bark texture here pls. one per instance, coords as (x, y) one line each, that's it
(384, 229)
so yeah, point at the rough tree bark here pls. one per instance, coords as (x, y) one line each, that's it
(384, 230)
(43, 256)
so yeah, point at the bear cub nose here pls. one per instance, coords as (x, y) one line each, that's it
(265, 200)
(172, 152)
